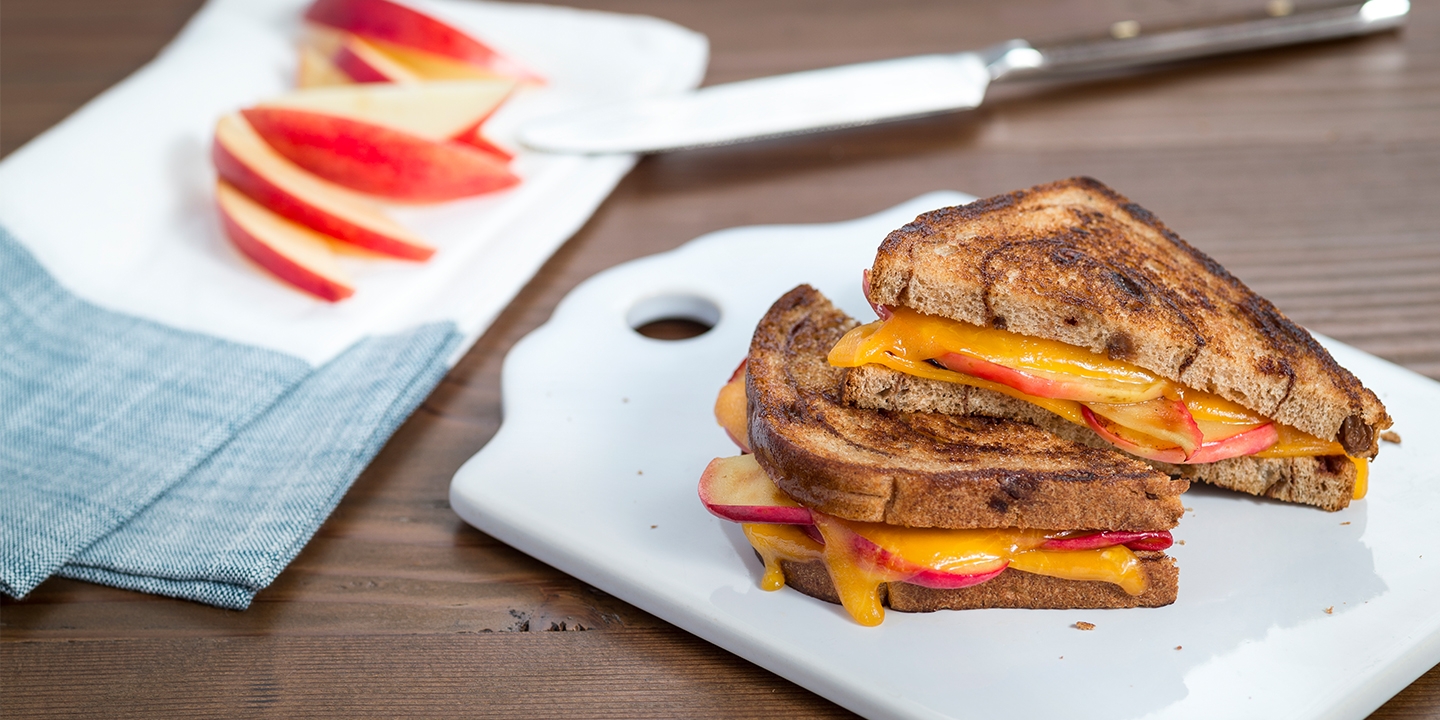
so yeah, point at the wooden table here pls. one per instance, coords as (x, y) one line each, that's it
(1313, 173)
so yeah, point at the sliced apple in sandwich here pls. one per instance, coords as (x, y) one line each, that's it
(437, 111)
(737, 489)
(244, 160)
(379, 160)
(294, 253)
(395, 24)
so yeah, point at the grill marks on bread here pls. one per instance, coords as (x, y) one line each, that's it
(1075, 261)
(925, 469)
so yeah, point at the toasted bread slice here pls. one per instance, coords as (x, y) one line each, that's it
(1325, 481)
(1076, 262)
(1010, 589)
(925, 469)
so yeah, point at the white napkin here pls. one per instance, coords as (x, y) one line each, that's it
(117, 202)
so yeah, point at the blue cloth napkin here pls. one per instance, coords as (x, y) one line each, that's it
(153, 459)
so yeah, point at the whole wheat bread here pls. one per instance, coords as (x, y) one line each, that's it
(925, 469)
(1075, 261)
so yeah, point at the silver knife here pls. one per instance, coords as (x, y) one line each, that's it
(873, 92)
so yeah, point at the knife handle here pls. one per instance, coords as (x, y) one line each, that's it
(1129, 48)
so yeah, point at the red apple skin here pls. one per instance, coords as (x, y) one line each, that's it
(765, 514)
(320, 287)
(912, 573)
(1246, 443)
(357, 68)
(378, 160)
(285, 203)
(474, 139)
(950, 581)
(390, 22)
(738, 497)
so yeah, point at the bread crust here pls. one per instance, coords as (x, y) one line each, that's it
(1077, 262)
(925, 469)
(1010, 589)
(1327, 482)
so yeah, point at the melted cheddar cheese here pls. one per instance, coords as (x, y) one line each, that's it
(909, 341)
(889, 553)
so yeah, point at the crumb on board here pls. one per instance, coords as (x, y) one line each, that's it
(1189, 509)
(1330, 610)
(1082, 625)
(1390, 436)
(1347, 522)
(1177, 647)
(1180, 542)
(652, 527)
(639, 472)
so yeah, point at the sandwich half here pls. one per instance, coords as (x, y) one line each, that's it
(925, 511)
(1069, 307)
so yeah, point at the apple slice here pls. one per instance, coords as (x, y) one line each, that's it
(316, 69)
(1248, 442)
(1131, 442)
(736, 488)
(1165, 419)
(1057, 386)
(379, 160)
(893, 566)
(294, 253)
(397, 24)
(244, 160)
(437, 111)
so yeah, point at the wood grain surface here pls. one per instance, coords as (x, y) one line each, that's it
(1313, 173)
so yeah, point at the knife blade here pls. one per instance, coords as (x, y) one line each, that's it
(865, 93)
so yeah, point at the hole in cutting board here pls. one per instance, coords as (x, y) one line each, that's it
(673, 317)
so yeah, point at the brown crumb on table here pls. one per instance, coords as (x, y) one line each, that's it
(1189, 509)
(1330, 610)
(652, 527)
(1082, 625)
(1390, 436)
(1177, 647)
(1347, 522)
(1181, 542)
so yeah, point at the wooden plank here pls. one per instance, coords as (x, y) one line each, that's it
(1310, 172)
(652, 673)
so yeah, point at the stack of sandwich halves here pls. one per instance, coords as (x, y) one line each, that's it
(1049, 371)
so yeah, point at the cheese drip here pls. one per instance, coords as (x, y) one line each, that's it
(909, 340)
(887, 553)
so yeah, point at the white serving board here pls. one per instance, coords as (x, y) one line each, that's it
(606, 432)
